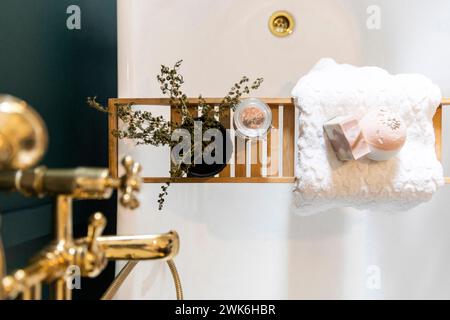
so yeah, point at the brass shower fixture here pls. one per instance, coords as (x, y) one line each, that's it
(281, 24)
(91, 253)
(23, 139)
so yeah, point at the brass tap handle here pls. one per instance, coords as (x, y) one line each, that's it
(129, 183)
(97, 223)
(90, 256)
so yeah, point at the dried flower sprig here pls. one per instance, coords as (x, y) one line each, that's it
(145, 129)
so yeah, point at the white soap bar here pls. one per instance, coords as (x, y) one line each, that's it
(346, 138)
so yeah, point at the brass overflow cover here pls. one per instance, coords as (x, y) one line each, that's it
(281, 24)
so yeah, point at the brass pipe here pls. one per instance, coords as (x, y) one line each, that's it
(145, 247)
(64, 239)
(60, 290)
(63, 220)
(37, 292)
(23, 279)
(176, 279)
(27, 294)
(33, 293)
(125, 272)
(119, 280)
(51, 264)
(79, 183)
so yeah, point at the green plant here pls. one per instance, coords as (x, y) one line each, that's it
(146, 129)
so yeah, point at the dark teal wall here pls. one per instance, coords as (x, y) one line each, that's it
(55, 69)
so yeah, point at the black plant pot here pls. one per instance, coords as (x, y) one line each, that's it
(204, 170)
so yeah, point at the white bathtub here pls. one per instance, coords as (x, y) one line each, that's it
(241, 241)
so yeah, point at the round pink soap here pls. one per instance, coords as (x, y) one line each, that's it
(384, 132)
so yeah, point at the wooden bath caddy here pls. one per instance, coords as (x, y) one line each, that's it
(269, 161)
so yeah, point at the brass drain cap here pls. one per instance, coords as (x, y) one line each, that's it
(281, 24)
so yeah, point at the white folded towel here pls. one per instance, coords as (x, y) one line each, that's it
(324, 182)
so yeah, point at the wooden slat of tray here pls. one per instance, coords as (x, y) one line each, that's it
(192, 101)
(256, 163)
(288, 141)
(240, 156)
(437, 123)
(221, 180)
(226, 121)
(113, 145)
(272, 144)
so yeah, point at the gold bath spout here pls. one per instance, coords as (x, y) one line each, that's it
(145, 247)
(90, 254)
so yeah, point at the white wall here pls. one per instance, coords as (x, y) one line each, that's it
(241, 241)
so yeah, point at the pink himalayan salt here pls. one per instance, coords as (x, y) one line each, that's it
(252, 117)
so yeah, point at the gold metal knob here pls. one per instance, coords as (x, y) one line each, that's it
(130, 183)
(97, 224)
(92, 258)
(23, 135)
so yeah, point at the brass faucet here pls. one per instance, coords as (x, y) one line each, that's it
(90, 254)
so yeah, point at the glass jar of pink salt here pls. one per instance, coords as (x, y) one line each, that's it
(252, 119)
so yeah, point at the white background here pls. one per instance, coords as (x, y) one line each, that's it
(241, 241)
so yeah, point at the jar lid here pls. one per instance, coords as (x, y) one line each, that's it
(252, 118)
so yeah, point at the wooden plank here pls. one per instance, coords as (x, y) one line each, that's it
(113, 149)
(165, 101)
(272, 145)
(437, 124)
(256, 164)
(226, 122)
(288, 141)
(240, 157)
(175, 116)
(222, 180)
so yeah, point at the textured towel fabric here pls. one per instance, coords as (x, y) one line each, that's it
(324, 182)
